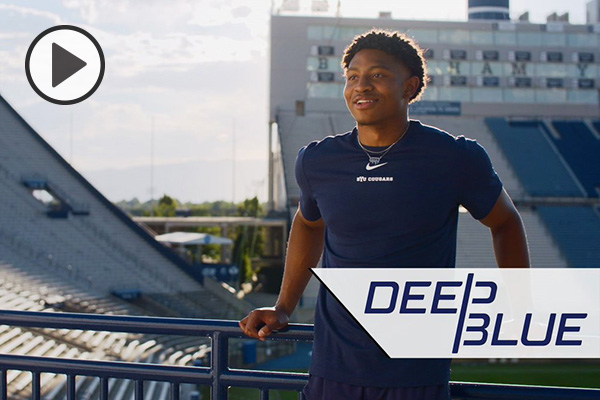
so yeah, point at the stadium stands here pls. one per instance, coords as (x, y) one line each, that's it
(559, 161)
(577, 230)
(537, 163)
(596, 126)
(474, 247)
(30, 292)
(475, 128)
(74, 263)
(297, 131)
(581, 149)
(474, 243)
(103, 250)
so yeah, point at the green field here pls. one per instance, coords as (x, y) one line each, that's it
(557, 373)
(567, 373)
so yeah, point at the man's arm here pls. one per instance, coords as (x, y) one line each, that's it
(508, 233)
(305, 247)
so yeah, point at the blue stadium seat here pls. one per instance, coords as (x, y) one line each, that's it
(577, 232)
(581, 149)
(596, 125)
(535, 161)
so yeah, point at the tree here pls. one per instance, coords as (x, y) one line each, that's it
(250, 241)
(166, 206)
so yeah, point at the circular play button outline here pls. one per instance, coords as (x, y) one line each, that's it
(28, 59)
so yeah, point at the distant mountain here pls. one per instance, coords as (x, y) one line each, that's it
(196, 181)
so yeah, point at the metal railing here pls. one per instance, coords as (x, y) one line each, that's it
(218, 375)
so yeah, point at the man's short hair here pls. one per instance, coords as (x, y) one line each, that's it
(396, 44)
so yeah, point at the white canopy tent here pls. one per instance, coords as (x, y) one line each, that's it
(192, 238)
(182, 239)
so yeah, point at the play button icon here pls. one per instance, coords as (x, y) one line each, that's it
(64, 64)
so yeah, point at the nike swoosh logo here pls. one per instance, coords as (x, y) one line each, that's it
(370, 167)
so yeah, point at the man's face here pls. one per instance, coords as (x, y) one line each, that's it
(377, 88)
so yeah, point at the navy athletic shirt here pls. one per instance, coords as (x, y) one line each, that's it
(403, 213)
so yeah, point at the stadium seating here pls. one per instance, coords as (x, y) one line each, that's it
(73, 264)
(475, 128)
(596, 125)
(294, 133)
(581, 150)
(534, 158)
(577, 230)
(474, 247)
(101, 251)
(474, 243)
(26, 291)
(342, 122)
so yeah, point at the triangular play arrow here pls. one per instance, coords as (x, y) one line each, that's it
(64, 64)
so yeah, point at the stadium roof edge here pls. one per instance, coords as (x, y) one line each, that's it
(342, 21)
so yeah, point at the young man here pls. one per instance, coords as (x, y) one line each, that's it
(385, 194)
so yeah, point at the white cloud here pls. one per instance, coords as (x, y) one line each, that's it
(136, 53)
(26, 11)
(14, 35)
(87, 9)
(193, 75)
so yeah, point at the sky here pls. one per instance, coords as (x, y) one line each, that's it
(185, 88)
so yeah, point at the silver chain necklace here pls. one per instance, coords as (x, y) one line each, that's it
(376, 156)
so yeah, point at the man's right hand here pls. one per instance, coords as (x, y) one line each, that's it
(261, 322)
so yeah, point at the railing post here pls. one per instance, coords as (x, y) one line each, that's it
(103, 388)
(3, 385)
(35, 386)
(219, 365)
(70, 387)
(139, 390)
(264, 394)
(174, 391)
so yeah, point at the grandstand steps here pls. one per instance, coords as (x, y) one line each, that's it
(579, 146)
(151, 390)
(148, 302)
(543, 171)
(96, 253)
(475, 128)
(299, 131)
(120, 388)
(197, 305)
(21, 291)
(594, 127)
(35, 347)
(88, 387)
(473, 249)
(164, 390)
(543, 249)
(56, 383)
(577, 230)
(49, 381)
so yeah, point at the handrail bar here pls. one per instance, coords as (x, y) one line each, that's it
(151, 372)
(142, 324)
(219, 376)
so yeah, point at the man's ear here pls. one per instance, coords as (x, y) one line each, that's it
(410, 86)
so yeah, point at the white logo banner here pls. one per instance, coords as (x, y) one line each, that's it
(473, 313)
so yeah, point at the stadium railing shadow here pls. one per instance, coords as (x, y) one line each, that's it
(219, 376)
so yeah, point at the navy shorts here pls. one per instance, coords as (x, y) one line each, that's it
(323, 389)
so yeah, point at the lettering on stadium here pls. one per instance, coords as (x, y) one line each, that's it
(375, 179)
(477, 323)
